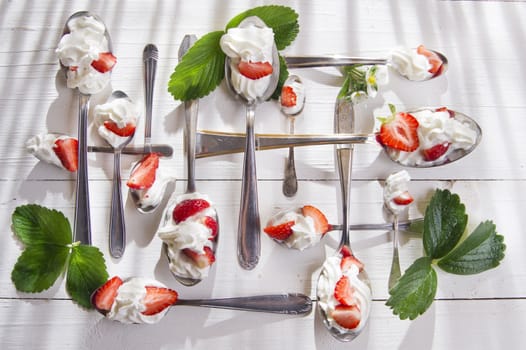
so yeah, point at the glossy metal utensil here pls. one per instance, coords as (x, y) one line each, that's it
(395, 271)
(249, 227)
(290, 183)
(163, 149)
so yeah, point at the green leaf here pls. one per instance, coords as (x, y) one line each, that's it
(201, 69)
(283, 21)
(34, 224)
(444, 223)
(86, 273)
(480, 251)
(283, 75)
(415, 290)
(39, 266)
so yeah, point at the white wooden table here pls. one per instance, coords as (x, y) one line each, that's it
(485, 42)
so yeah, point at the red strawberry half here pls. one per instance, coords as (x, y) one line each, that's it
(202, 260)
(321, 224)
(212, 224)
(288, 97)
(347, 316)
(105, 62)
(102, 299)
(436, 151)
(348, 261)
(280, 232)
(344, 291)
(157, 299)
(254, 70)
(189, 207)
(128, 130)
(404, 198)
(144, 175)
(433, 59)
(400, 132)
(67, 150)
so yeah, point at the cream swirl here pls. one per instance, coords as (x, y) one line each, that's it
(42, 146)
(396, 185)
(411, 64)
(304, 233)
(120, 111)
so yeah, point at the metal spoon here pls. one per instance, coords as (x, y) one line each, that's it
(249, 227)
(338, 60)
(290, 183)
(395, 272)
(191, 110)
(82, 222)
(217, 143)
(344, 122)
(117, 225)
(163, 149)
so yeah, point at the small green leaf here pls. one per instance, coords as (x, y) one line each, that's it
(86, 273)
(39, 266)
(34, 224)
(480, 251)
(444, 223)
(201, 69)
(283, 75)
(283, 21)
(415, 290)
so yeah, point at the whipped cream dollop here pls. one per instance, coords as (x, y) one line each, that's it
(409, 63)
(77, 49)
(304, 233)
(331, 274)
(128, 305)
(42, 147)
(249, 44)
(191, 233)
(299, 90)
(437, 127)
(396, 185)
(120, 111)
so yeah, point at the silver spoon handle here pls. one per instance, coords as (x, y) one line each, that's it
(191, 111)
(150, 57)
(82, 208)
(117, 227)
(329, 61)
(249, 227)
(289, 304)
(395, 273)
(163, 149)
(290, 183)
(404, 225)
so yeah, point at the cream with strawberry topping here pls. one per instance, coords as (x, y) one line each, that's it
(416, 64)
(250, 50)
(349, 309)
(292, 97)
(153, 195)
(78, 49)
(396, 192)
(59, 150)
(188, 229)
(116, 120)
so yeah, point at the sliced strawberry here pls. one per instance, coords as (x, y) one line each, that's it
(189, 207)
(346, 251)
(344, 291)
(404, 198)
(433, 59)
(144, 175)
(347, 316)
(348, 261)
(102, 299)
(212, 224)
(288, 97)
(436, 151)
(321, 224)
(128, 130)
(254, 70)
(67, 150)
(445, 109)
(73, 68)
(202, 260)
(105, 62)
(399, 132)
(157, 299)
(281, 231)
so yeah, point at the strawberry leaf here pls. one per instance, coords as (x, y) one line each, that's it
(445, 220)
(201, 69)
(283, 75)
(415, 290)
(481, 251)
(39, 266)
(34, 224)
(86, 273)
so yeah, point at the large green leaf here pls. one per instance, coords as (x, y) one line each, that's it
(34, 224)
(481, 251)
(444, 223)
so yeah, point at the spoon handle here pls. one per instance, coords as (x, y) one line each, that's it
(329, 61)
(290, 183)
(395, 273)
(117, 227)
(150, 57)
(82, 208)
(249, 227)
(288, 304)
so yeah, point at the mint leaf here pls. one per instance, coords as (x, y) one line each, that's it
(445, 220)
(201, 69)
(38, 267)
(283, 21)
(283, 75)
(415, 290)
(86, 273)
(34, 224)
(481, 251)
